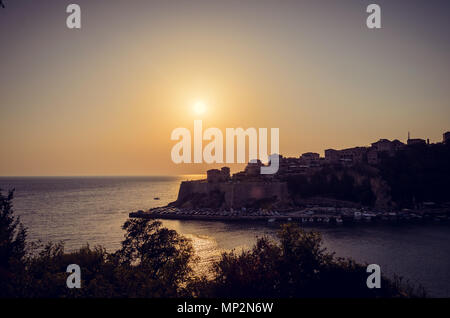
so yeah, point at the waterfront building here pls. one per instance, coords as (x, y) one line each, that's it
(416, 141)
(446, 137)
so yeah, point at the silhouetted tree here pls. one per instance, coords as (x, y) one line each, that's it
(297, 266)
(12, 245)
(418, 173)
(155, 260)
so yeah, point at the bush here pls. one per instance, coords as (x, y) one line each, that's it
(418, 173)
(153, 262)
(298, 266)
(12, 246)
(156, 262)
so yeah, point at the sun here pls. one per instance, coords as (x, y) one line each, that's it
(200, 107)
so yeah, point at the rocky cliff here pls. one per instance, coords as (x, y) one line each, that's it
(231, 194)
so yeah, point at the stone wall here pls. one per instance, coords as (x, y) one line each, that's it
(235, 194)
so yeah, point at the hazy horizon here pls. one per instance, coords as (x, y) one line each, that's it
(103, 100)
(104, 176)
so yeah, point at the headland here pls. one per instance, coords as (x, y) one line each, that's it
(389, 181)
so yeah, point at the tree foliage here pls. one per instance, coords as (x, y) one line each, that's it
(418, 173)
(154, 261)
(12, 245)
(415, 174)
(297, 266)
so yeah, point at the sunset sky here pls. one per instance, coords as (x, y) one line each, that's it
(104, 100)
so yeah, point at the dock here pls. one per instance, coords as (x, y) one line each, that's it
(305, 216)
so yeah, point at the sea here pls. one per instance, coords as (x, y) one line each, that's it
(92, 210)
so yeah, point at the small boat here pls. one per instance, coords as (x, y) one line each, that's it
(271, 220)
(339, 221)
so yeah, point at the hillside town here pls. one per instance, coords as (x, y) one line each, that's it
(369, 155)
(249, 195)
(310, 162)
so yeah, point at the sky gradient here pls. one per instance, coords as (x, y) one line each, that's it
(104, 100)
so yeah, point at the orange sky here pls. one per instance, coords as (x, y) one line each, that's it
(104, 100)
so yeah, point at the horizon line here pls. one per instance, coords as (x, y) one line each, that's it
(101, 176)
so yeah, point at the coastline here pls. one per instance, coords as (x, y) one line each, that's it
(311, 215)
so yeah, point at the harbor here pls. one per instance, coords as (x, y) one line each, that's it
(310, 215)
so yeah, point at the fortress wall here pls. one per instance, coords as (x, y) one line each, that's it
(246, 192)
(236, 195)
(187, 188)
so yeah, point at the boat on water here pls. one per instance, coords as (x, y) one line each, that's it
(368, 216)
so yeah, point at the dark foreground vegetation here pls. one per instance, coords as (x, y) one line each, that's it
(157, 262)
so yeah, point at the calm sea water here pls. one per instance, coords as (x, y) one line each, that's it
(80, 210)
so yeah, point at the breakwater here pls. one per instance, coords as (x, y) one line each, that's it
(305, 216)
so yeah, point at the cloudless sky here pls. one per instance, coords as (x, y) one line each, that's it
(104, 100)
